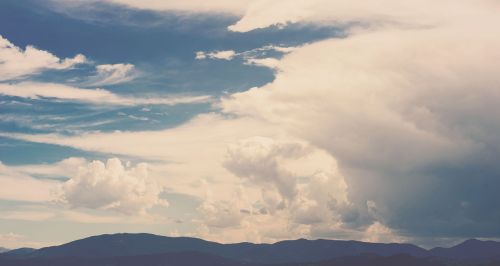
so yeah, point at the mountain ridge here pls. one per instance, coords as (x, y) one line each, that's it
(300, 250)
(288, 251)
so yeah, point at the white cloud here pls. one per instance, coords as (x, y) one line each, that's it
(258, 160)
(244, 207)
(82, 217)
(26, 215)
(113, 186)
(222, 55)
(379, 233)
(33, 90)
(17, 63)
(190, 6)
(266, 13)
(64, 168)
(399, 108)
(13, 240)
(250, 57)
(269, 62)
(20, 187)
(110, 74)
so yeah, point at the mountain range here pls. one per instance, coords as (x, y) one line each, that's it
(148, 249)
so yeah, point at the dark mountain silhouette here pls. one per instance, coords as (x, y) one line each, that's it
(197, 259)
(21, 251)
(165, 259)
(281, 252)
(470, 249)
(148, 249)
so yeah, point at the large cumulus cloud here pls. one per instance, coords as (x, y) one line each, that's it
(409, 113)
(113, 186)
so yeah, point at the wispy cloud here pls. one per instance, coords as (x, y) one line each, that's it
(110, 74)
(17, 63)
(32, 90)
(257, 56)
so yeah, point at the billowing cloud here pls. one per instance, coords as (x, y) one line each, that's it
(257, 159)
(266, 13)
(113, 186)
(408, 113)
(17, 63)
(110, 74)
(32, 90)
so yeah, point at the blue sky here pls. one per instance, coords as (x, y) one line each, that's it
(248, 120)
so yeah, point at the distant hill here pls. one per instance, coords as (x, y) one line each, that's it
(3, 250)
(470, 249)
(148, 249)
(200, 259)
(281, 252)
(20, 251)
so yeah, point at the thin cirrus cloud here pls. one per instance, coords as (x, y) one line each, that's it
(34, 90)
(18, 63)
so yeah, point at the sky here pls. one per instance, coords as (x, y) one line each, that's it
(250, 120)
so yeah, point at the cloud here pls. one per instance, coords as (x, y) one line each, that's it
(17, 63)
(13, 240)
(64, 168)
(81, 217)
(250, 57)
(229, 7)
(266, 13)
(249, 202)
(110, 74)
(408, 112)
(257, 160)
(222, 55)
(265, 62)
(113, 186)
(16, 186)
(399, 115)
(33, 90)
(263, 14)
(26, 215)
